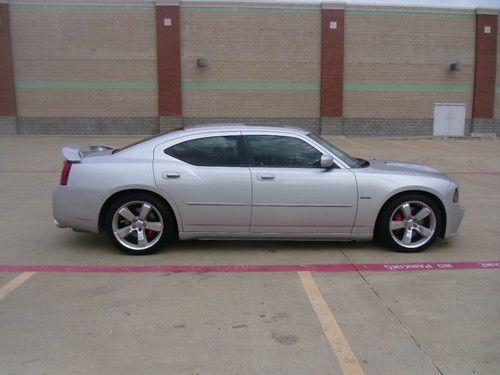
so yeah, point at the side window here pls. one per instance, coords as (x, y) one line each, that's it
(280, 151)
(211, 151)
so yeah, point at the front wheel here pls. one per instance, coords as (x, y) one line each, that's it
(410, 223)
(139, 223)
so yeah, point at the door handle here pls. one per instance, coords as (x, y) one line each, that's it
(265, 177)
(167, 175)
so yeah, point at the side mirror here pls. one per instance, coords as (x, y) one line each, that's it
(326, 161)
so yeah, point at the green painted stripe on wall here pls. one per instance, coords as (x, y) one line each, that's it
(382, 12)
(244, 9)
(79, 6)
(146, 85)
(416, 87)
(274, 86)
(497, 89)
(307, 86)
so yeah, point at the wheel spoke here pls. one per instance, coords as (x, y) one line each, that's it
(426, 232)
(397, 225)
(141, 239)
(127, 214)
(123, 232)
(145, 209)
(407, 237)
(406, 210)
(422, 214)
(155, 226)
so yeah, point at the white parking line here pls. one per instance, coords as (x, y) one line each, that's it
(14, 283)
(345, 356)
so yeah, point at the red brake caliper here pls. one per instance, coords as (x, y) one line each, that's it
(398, 216)
(150, 234)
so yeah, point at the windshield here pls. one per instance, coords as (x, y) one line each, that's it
(346, 158)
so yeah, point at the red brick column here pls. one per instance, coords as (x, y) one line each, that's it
(332, 62)
(7, 86)
(486, 59)
(169, 65)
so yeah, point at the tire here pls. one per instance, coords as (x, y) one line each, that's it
(409, 223)
(139, 223)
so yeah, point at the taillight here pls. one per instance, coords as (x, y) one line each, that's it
(455, 196)
(65, 171)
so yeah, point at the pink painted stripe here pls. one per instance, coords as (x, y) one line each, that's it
(346, 267)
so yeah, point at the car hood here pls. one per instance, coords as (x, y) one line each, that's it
(399, 167)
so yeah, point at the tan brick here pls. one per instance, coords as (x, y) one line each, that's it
(251, 47)
(85, 44)
(400, 104)
(87, 102)
(250, 103)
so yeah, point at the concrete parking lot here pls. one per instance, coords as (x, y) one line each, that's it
(269, 321)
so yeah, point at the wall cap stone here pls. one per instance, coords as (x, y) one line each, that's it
(167, 2)
(487, 11)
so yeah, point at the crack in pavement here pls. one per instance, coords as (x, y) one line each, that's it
(395, 316)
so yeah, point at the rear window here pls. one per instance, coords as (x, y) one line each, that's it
(143, 140)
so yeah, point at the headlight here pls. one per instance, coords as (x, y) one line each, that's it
(455, 196)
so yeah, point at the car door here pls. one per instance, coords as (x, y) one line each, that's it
(208, 179)
(292, 193)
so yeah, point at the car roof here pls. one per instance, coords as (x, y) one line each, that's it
(241, 126)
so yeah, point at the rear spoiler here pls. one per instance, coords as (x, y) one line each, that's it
(78, 152)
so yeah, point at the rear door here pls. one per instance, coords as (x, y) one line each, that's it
(208, 179)
(292, 193)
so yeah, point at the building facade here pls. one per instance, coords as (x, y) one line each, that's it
(142, 67)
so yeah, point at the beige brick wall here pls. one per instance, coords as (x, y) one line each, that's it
(390, 48)
(87, 103)
(376, 104)
(82, 44)
(256, 46)
(250, 103)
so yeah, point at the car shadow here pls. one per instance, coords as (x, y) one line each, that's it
(98, 243)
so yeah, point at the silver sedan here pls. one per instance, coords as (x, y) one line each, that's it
(238, 181)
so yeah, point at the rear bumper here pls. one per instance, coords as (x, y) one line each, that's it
(77, 209)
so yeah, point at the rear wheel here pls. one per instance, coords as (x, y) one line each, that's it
(139, 223)
(410, 223)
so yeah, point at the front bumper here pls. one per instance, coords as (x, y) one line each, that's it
(455, 216)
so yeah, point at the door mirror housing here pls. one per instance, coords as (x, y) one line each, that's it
(326, 161)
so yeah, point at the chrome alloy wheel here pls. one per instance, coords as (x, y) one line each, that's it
(412, 224)
(137, 225)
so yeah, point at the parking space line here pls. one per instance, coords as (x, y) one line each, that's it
(401, 143)
(345, 356)
(358, 143)
(14, 283)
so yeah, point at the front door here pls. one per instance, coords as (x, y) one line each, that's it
(208, 179)
(292, 193)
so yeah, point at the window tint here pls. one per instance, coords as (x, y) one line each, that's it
(278, 151)
(210, 151)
